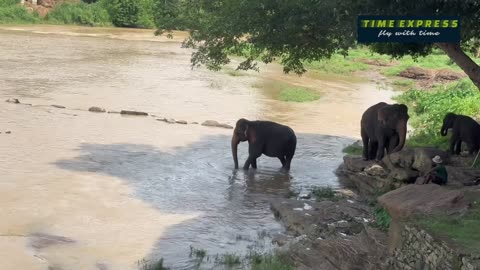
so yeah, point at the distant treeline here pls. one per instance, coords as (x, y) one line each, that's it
(121, 13)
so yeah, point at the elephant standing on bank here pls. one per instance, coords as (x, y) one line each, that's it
(383, 126)
(264, 137)
(464, 129)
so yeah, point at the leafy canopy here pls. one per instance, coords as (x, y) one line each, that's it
(298, 31)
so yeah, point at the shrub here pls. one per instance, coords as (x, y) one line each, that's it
(80, 13)
(132, 13)
(382, 218)
(11, 12)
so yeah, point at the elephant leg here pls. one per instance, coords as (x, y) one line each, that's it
(251, 160)
(458, 147)
(253, 154)
(366, 154)
(392, 143)
(283, 161)
(372, 150)
(288, 161)
(453, 141)
(254, 163)
(381, 149)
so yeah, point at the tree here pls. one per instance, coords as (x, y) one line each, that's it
(125, 13)
(306, 30)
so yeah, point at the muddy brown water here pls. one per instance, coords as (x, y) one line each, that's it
(118, 189)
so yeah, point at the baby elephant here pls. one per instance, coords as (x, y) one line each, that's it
(464, 129)
(264, 137)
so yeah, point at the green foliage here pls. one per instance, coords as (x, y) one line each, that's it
(337, 64)
(321, 193)
(80, 13)
(463, 230)
(298, 94)
(403, 83)
(353, 149)
(197, 253)
(382, 218)
(12, 12)
(428, 108)
(125, 13)
(291, 32)
(270, 262)
(146, 265)
(173, 14)
(229, 259)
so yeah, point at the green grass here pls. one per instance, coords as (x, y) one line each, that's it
(463, 230)
(382, 218)
(80, 13)
(146, 265)
(353, 149)
(298, 94)
(322, 193)
(198, 253)
(428, 108)
(270, 262)
(337, 64)
(404, 83)
(229, 259)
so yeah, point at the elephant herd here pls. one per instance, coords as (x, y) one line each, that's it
(383, 130)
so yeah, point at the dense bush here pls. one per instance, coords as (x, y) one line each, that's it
(80, 13)
(12, 12)
(172, 14)
(427, 109)
(132, 13)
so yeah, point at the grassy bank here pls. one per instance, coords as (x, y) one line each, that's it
(122, 13)
(253, 261)
(462, 230)
(361, 58)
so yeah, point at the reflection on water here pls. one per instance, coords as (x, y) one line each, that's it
(124, 188)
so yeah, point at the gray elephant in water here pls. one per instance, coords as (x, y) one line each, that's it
(264, 137)
(383, 126)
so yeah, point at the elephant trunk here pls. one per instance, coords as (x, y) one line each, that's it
(402, 134)
(235, 142)
(444, 130)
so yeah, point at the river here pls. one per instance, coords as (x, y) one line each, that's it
(82, 190)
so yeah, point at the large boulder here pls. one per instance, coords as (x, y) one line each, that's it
(463, 176)
(404, 175)
(356, 163)
(332, 235)
(423, 200)
(365, 251)
(423, 158)
(402, 159)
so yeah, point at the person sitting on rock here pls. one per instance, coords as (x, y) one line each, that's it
(438, 174)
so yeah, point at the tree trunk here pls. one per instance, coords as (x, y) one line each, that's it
(456, 53)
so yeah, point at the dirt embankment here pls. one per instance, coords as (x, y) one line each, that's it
(420, 77)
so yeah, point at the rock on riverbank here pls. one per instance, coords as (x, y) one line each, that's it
(331, 235)
(410, 245)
